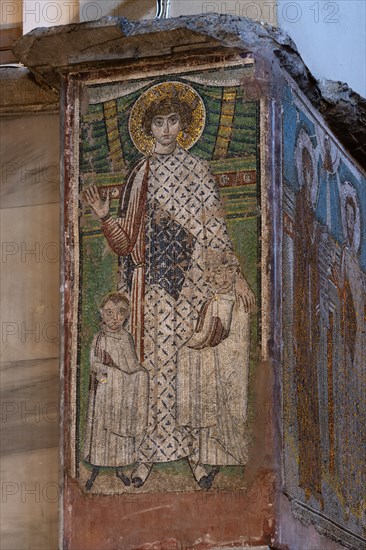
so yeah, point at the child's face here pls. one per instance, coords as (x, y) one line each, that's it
(114, 315)
(224, 277)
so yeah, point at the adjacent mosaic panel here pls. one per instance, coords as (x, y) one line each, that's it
(324, 328)
(167, 230)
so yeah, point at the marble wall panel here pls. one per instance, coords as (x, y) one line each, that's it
(29, 293)
(29, 454)
(29, 504)
(30, 282)
(29, 405)
(29, 160)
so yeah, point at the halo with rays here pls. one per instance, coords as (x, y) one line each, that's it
(166, 90)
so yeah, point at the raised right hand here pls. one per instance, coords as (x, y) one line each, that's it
(93, 198)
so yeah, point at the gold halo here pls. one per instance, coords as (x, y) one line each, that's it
(145, 143)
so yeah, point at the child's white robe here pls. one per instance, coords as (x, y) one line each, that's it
(118, 401)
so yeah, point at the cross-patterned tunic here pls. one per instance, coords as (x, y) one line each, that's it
(171, 220)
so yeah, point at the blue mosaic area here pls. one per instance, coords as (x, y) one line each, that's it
(324, 328)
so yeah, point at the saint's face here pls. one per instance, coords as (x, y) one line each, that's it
(114, 315)
(224, 277)
(165, 128)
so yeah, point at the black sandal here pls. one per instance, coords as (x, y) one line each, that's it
(123, 477)
(206, 481)
(90, 482)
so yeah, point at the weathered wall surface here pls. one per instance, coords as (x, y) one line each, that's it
(324, 283)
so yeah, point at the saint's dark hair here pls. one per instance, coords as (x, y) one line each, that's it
(165, 107)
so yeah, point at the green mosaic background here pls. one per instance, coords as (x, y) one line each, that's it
(99, 266)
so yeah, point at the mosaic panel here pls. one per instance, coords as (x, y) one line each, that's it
(167, 322)
(324, 328)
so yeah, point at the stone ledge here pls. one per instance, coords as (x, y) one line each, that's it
(54, 51)
(19, 92)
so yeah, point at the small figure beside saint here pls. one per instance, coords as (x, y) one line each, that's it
(213, 375)
(118, 394)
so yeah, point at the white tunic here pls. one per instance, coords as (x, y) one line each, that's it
(212, 384)
(171, 219)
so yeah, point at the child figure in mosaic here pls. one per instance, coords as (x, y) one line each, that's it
(213, 374)
(118, 394)
(170, 218)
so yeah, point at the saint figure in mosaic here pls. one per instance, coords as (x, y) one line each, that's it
(351, 400)
(170, 221)
(307, 325)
